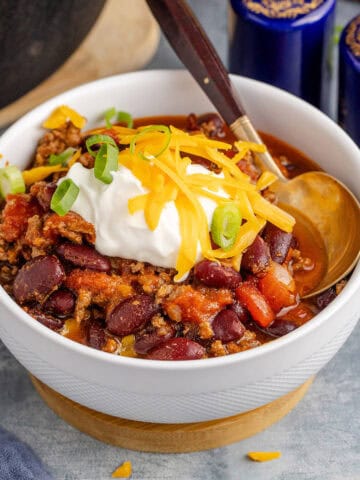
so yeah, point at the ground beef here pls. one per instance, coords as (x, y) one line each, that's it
(96, 287)
(87, 160)
(299, 262)
(56, 141)
(70, 226)
(248, 166)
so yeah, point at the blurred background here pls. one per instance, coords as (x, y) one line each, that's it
(63, 44)
(214, 16)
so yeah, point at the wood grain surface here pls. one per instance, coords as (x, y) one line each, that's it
(124, 38)
(169, 438)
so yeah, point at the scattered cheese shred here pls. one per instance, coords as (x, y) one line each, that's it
(124, 471)
(62, 115)
(271, 212)
(236, 262)
(40, 173)
(246, 236)
(127, 346)
(255, 147)
(74, 158)
(188, 248)
(265, 180)
(137, 203)
(263, 456)
(243, 202)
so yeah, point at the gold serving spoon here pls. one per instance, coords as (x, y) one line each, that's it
(334, 210)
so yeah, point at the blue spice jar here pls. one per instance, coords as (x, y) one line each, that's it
(287, 43)
(349, 79)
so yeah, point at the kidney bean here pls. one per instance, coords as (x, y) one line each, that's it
(279, 328)
(211, 124)
(96, 335)
(256, 259)
(131, 314)
(148, 341)
(60, 303)
(241, 312)
(84, 256)
(227, 326)
(216, 275)
(177, 349)
(37, 279)
(325, 298)
(49, 321)
(191, 122)
(279, 242)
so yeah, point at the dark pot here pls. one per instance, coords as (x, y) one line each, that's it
(36, 37)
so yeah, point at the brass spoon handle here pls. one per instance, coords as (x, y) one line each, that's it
(195, 50)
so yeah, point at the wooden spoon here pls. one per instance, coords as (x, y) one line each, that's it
(334, 210)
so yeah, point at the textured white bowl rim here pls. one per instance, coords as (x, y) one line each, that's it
(204, 364)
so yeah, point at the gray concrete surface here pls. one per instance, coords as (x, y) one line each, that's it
(319, 440)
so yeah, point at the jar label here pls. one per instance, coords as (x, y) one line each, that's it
(282, 8)
(352, 38)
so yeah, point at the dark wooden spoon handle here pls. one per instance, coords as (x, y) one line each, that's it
(194, 49)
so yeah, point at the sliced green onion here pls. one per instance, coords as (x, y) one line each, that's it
(108, 115)
(64, 197)
(98, 140)
(125, 117)
(106, 161)
(225, 225)
(62, 158)
(11, 181)
(152, 128)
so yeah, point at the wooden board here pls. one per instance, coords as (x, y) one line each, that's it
(169, 438)
(124, 38)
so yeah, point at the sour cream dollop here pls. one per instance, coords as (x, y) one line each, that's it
(120, 234)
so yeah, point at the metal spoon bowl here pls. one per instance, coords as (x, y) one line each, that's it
(328, 204)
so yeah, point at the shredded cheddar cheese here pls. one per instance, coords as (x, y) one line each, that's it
(123, 471)
(127, 346)
(263, 456)
(265, 180)
(74, 158)
(40, 173)
(165, 176)
(63, 114)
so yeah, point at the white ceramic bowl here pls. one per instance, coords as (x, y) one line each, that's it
(190, 391)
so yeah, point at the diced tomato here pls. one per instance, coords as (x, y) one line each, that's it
(197, 305)
(300, 314)
(17, 211)
(278, 286)
(251, 297)
(230, 153)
